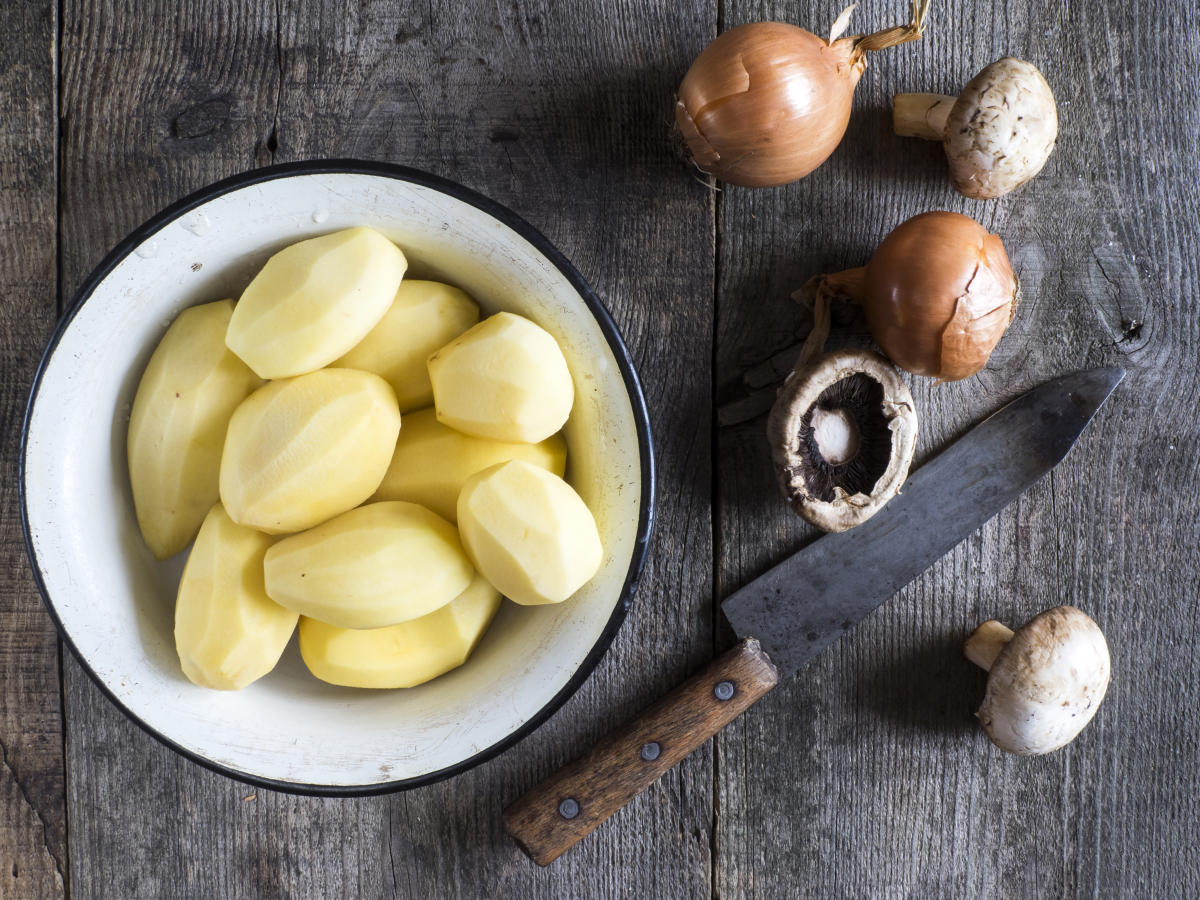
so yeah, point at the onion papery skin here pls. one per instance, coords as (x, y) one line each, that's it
(766, 103)
(938, 294)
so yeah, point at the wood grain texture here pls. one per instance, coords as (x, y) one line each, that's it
(32, 812)
(560, 112)
(866, 776)
(637, 754)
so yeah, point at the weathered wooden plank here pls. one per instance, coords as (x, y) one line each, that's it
(33, 860)
(156, 105)
(537, 104)
(561, 113)
(866, 776)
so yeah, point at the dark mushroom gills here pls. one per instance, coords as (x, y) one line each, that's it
(842, 432)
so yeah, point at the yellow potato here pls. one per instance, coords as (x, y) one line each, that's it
(432, 461)
(315, 300)
(228, 632)
(305, 449)
(377, 565)
(189, 390)
(505, 379)
(403, 655)
(528, 533)
(424, 316)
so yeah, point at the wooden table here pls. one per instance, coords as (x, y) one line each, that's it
(866, 776)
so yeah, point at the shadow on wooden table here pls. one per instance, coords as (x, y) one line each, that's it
(931, 687)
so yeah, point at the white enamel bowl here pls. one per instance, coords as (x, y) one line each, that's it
(114, 604)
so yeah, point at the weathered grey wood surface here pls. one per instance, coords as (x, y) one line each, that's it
(33, 837)
(891, 789)
(865, 776)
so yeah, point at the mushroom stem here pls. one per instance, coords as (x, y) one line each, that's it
(814, 344)
(836, 435)
(986, 642)
(819, 292)
(921, 115)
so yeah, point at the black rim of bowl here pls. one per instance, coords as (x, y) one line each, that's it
(591, 300)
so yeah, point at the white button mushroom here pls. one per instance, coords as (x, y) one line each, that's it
(1045, 681)
(998, 133)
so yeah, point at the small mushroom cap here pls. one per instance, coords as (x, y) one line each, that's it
(1047, 683)
(1001, 130)
(786, 425)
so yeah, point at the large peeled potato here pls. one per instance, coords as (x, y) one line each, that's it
(228, 632)
(377, 565)
(505, 379)
(305, 449)
(424, 316)
(528, 533)
(315, 300)
(403, 655)
(432, 461)
(189, 390)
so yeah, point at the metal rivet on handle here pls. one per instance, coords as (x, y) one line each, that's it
(569, 808)
(723, 690)
(650, 751)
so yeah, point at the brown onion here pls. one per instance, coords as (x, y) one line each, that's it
(766, 103)
(939, 293)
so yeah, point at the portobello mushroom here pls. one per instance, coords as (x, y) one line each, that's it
(842, 433)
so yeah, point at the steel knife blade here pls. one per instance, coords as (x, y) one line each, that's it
(806, 602)
(792, 612)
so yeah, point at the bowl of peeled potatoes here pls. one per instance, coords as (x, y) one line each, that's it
(337, 477)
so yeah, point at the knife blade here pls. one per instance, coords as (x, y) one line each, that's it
(788, 615)
(845, 576)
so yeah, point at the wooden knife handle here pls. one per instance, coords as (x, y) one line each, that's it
(567, 806)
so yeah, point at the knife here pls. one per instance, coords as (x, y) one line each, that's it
(791, 613)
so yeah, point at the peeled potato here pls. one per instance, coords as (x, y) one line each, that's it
(305, 449)
(403, 655)
(528, 533)
(377, 565)
(505, 379)
(424, 316)
(189, 390)
(432, 461)
(315, 300)
(228, 632)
